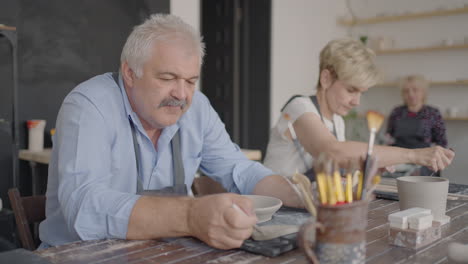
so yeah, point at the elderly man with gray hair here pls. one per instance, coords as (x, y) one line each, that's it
(128, 144)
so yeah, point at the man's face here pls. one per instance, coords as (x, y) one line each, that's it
(413, 95)
(343, 97)
(165, 90)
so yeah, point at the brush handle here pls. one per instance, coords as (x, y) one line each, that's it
(365, 176)
(371, 142)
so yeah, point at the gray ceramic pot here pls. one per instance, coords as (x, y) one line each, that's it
(425, 192)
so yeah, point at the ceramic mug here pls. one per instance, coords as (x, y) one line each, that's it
(425, 192)
(340, 234)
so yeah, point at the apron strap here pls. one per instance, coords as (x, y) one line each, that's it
(179, 186)
(179, 171)
(314, 100)
(290, 99)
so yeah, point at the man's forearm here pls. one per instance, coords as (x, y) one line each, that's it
(155, 217)
(277, 186)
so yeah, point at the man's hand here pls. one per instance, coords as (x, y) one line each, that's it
(214, 220)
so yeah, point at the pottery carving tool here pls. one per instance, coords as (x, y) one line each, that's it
(304, 186)
(374, 122)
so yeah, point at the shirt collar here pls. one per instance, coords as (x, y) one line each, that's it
(128, 108)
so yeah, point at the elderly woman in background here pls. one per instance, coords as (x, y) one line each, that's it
(415, 124)
(346, 70)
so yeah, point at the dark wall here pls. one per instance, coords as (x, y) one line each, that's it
(8, 15)
(61, 43)
(236, 70)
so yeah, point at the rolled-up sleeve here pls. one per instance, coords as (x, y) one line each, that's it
(222, 159)
(91, 206)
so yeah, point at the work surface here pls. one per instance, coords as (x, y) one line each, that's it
(189, 250)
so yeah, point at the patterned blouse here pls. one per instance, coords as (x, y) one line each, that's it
(433, 124)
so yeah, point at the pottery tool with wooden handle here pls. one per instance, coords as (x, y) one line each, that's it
(374, 122)
(305, 187)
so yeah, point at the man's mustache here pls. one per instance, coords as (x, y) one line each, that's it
(173, 102)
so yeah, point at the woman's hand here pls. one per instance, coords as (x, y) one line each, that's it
(436, 158)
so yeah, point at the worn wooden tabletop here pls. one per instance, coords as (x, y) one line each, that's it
(189, 250)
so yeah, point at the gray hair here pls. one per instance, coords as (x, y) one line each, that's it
(158, 27)
(417, 80)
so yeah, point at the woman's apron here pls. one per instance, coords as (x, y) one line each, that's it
(409, 133)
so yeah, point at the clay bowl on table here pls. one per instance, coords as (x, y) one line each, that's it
(265, 206)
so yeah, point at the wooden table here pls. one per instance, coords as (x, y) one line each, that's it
(190, 250)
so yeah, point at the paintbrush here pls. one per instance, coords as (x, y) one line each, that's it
(329, 183)
(374, 122)
(375, 181)
(319, 165)
(371, 170)
(349, 184)
(340, 197)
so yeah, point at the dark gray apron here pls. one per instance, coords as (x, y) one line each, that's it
(179, 188)
(409, 134)
(310, 173)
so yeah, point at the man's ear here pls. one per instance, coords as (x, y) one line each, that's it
(325, 79)
(128, 75)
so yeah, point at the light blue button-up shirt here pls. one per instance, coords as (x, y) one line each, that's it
(92, 173)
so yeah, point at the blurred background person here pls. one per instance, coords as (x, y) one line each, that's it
(414, 124)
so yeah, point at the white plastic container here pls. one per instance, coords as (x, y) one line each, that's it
(36, 134)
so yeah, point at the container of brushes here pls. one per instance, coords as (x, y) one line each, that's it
(340, 234)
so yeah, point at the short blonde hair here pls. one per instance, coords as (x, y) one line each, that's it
(350, 61)
(418, 80)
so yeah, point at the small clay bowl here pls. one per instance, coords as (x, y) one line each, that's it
(265, 206)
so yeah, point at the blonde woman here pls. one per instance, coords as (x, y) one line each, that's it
(415, 124)
(347, 69)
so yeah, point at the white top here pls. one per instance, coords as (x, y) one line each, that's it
(282, 155)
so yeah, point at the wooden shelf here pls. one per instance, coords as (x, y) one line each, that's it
(456, 118)
(436, 83)
(461, 118)
(7, 28)
(383, 19)
(421, 49)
